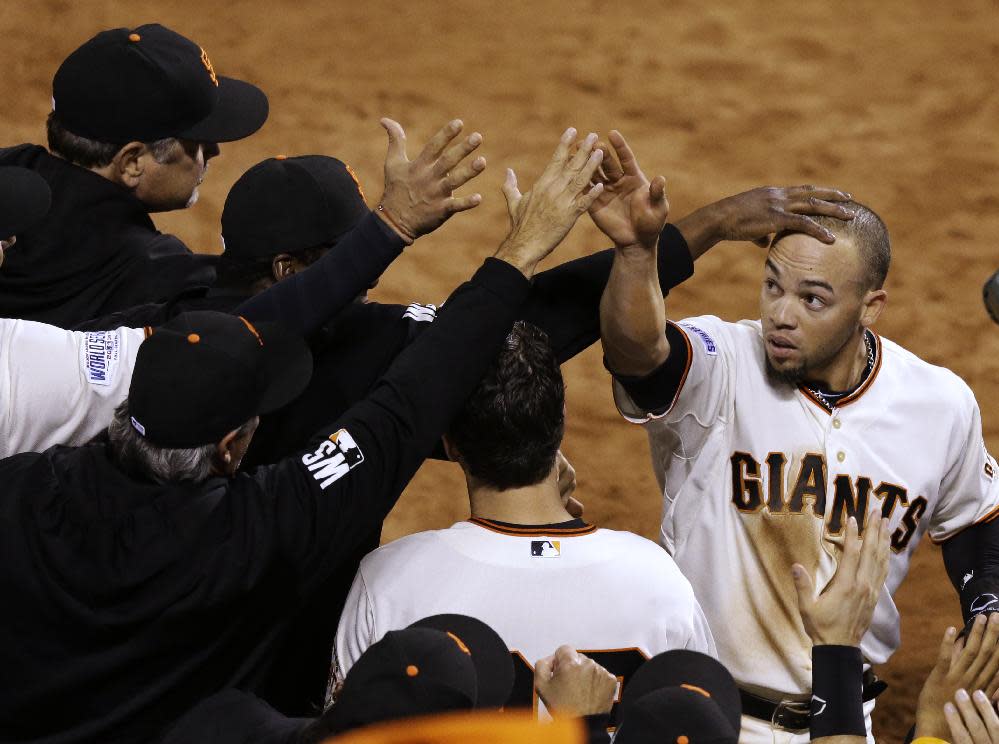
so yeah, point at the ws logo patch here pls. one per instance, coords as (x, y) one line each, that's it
(335, 457)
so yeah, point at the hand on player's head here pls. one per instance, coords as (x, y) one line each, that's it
(842, 613)
(631, 210)
(972, 719)
(541, 218)
(418, 194)
(759, 214)
(571, 684)
(969, 665)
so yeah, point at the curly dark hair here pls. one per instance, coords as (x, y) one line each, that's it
(510, 429)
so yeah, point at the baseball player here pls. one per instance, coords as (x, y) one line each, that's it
(768, 435)
(522, 563)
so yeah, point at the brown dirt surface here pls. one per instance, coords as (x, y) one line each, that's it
(895, 102)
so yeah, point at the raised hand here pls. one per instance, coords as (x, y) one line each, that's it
(571, 684)
(631, 210)
(542, 217)
(973, 666)
(759, 214)
(418, 194)
(842, 613)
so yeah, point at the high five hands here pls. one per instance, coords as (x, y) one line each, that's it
(631, 210)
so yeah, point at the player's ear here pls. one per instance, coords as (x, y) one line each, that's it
(450, 449)
(227, 455)
(874, 305)
(283, 266)
(128, 165)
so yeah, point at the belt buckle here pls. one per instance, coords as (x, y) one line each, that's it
(785, 712)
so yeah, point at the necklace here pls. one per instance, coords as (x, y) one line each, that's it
(830, 400)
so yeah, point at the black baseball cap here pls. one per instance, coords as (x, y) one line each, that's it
(490, 655)
(149, 83)
(680, 695)
(407, 673)
(204, 374)
(25, 198)
(288, 204)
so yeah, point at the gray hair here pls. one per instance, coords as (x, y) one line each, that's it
(90, 153)
(136, 454)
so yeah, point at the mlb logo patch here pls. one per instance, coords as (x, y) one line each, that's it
(335, 457)
(546, 548)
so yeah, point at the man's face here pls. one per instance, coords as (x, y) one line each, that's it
(810, 304)
(173, 183)
(5, 244)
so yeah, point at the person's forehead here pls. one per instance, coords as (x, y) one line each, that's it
(801, 257)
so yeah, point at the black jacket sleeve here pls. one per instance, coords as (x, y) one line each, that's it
(565, 300)
(304, 302)
(322, 500)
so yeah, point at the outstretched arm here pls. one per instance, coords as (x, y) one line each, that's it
(631, 212)
(417, 200)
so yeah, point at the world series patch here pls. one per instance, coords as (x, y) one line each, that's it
(99, 356)
(709, 343)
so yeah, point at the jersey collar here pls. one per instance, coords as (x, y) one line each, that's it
(862, 388)
(572, 528)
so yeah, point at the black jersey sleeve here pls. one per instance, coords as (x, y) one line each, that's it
(304, 302)
(565, 300)
(971, 558)
(324, 499)
(657, 391)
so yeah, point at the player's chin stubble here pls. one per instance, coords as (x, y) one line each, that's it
(792, 376)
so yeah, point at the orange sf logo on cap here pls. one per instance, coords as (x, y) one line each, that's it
(356, 180)
(208, 66)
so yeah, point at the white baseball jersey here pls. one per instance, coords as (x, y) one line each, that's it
(758, 475)
(614, 595)
(58, 386)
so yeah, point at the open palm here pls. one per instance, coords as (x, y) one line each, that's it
(631, 210)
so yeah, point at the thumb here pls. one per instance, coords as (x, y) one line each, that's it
(657, 189)
(803, 585)
(396, 140)
(543, 669)
(511, 192)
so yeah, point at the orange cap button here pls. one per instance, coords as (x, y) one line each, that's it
(194, 338)
(134, 37)
(682, 740)
(412, 670)
(280, 157)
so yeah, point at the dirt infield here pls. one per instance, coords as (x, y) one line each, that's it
(896, 102)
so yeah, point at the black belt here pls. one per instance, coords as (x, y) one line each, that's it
(795, 715)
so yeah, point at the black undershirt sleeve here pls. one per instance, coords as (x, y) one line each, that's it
(656, 391)
(971, 558)
(565, 300)
(304, 302)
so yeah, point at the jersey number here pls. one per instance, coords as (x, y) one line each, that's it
(622, 663)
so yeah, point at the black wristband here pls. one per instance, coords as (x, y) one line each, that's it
(837, 692)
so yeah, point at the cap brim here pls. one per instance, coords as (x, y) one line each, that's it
(684, 667)
(242, 109)
(286, 369)
(25, 198)
(490, 655)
